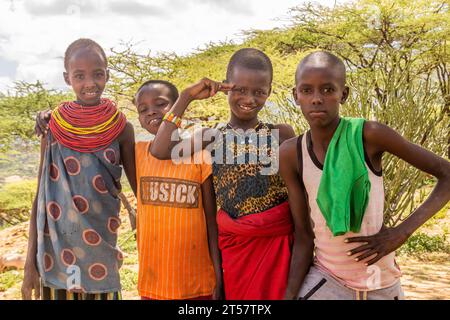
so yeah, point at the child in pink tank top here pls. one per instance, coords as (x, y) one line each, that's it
(359, 262)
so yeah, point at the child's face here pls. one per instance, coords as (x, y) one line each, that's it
(87, 75)
(250, 92)
(153, 102)
(319, 92)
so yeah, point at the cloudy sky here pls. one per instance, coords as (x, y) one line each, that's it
(35, 33)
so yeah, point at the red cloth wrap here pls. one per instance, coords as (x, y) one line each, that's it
(256, 253)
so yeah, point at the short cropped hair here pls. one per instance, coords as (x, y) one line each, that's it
(325, 58)
(82, 44)
(173, 91)
(250, 58)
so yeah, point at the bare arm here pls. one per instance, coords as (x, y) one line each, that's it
(382, 139)
(126, 142)
(210, 207)
(163, 144)
(31, 275)
(286, 132)
(302, 253)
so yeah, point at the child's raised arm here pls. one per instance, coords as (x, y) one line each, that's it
(163, 143)
(302, 251)
(382, 139)
(31, 275)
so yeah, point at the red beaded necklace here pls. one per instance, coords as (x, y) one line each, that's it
(87, 129)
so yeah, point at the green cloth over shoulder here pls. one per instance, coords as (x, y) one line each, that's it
(344, 187)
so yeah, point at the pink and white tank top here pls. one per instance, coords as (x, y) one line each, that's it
(331, 251)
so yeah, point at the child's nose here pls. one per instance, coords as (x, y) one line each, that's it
(249, 99)
(150, 112)
(317, 99)
(89, 82)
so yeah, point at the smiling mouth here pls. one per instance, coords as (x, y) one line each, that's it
(91, 94)
(247, 108)
(154, 122)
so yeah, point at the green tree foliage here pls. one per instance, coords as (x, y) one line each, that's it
(18, 112)
(396, 53)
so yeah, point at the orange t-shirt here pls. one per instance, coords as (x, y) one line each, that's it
(174, 260)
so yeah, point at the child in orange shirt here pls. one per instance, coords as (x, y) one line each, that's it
(176, 228)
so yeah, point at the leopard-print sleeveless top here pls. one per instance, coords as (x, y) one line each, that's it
(245, 170)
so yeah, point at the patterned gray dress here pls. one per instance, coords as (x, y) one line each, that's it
(78, 218)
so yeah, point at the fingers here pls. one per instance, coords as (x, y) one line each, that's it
(37, 130)
(359, 249)
(37, 290)
(367, 254)
(375, 259)
(214, 86)
(26, 293)
(42, 119)
(358, 239)
(225, 87)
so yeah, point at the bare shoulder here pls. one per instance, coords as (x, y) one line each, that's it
(379, 137)
(288, 153)
(289, 146)
(286, 131)
(373, 129)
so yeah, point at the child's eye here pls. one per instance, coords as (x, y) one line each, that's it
(99, 75)
(259, 93)
(239, 90)
(79, 76)
(328, 90)
(305, 90)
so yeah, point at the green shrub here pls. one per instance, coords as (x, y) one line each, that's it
(16, 200)
(10, 279)
(422, 243)
(18, 195)
(128, 279)
(127, 242)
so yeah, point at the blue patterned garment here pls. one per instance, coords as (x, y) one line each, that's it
(78, 219)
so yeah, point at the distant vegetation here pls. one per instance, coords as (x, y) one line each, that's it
(396, 52)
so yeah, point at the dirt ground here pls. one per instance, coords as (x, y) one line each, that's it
(425, 277)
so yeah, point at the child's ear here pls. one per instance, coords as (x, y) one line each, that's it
(270, 91)
(294, 94)
(107, 75)
(345, 94)
(66, 78)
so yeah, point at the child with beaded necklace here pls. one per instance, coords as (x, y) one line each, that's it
(72, 250)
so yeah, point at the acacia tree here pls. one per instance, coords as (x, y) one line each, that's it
(19, 110)
(396, 53)
(131, 69)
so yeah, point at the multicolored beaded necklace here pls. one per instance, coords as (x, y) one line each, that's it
(87, 129)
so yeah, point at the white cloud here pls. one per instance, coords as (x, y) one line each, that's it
(5, 84)
(34, 34)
